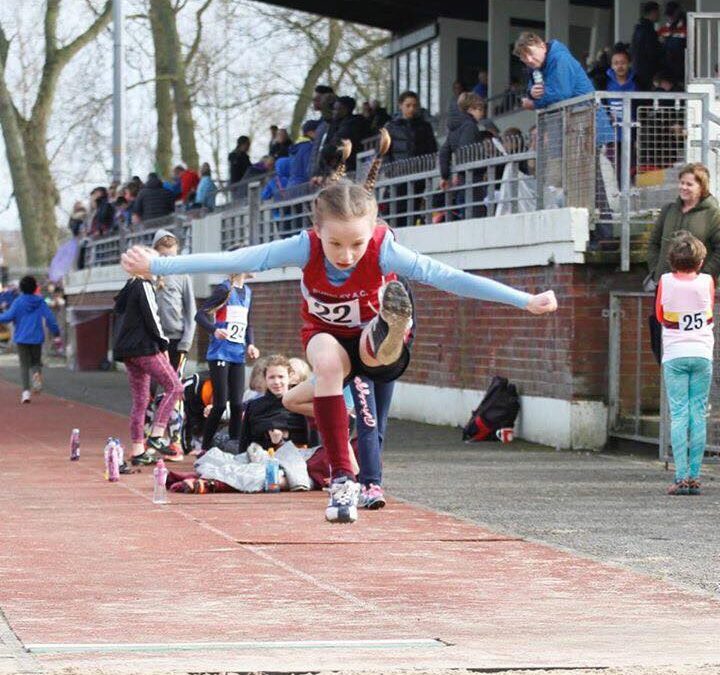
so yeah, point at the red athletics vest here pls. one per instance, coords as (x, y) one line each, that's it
(344, 310)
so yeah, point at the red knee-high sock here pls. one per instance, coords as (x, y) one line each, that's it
(331, 418)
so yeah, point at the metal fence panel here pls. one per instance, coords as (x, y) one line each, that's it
(637, 404)
(703, 47)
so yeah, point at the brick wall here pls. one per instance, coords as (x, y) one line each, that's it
(462, 343)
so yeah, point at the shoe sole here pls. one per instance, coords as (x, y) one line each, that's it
(396, 310)
(376, 505)
(341, 514)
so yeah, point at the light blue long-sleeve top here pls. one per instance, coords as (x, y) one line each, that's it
(295, 252)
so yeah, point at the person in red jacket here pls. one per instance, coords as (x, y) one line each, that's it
(189, 180)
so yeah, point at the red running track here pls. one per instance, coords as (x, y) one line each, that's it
(86, 562)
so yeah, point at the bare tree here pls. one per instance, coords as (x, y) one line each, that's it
(343, 54)
(26, 136)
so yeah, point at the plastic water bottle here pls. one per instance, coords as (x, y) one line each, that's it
(113, 467)
(120, 450)
(75, 445)
(160, 474)
(109, 450)
(272, 473)
(537, 77)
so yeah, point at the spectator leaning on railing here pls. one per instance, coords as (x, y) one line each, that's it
(411, 136)
(239, 159)
(323, 102)
(562, 75)
(100, 218)
(465, 131)
(300, 154)
(206, 190)
(347, 125)
(153, 201)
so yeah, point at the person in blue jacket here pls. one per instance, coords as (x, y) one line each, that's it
(300, 154)
(224, 315)
(27, 312)
(620, 77)
(556, 75)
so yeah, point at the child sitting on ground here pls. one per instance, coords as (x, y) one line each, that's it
(257, 386)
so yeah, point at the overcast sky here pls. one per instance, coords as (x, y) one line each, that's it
(234, 37)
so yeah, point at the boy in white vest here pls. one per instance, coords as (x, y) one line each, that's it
(684, 307)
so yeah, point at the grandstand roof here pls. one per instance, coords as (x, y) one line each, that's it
(401, 15)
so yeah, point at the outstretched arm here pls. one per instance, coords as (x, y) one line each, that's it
(290, 252)
(396, 258)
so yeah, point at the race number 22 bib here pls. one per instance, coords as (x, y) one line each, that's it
(345, 313)
(237, 320)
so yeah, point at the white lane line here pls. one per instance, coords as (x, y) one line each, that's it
(73, 648)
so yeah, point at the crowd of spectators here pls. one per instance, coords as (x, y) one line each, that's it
(654, 60)
(121, 209)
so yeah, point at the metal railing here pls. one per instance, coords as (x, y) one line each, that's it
(702, 56)
(485, 182)
(637, 402)
(615, 153)
(106, 250)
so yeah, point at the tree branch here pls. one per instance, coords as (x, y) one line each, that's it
(198, 33)
(69, 50)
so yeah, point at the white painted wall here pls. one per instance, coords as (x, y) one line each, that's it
(550, 421)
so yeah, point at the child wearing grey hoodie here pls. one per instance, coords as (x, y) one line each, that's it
(176, 307)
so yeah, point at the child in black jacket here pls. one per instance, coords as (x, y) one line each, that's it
(140, 343)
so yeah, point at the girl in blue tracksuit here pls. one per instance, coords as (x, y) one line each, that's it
(28, 312)
(224, 315)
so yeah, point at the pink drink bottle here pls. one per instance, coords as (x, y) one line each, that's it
(75, 445)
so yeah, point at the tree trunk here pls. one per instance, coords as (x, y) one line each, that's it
(184, 119)
(22, 185)
(322, 63)
(160, 15)
(25, 140)
(45, 193)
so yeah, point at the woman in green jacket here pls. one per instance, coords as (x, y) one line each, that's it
(696, 211)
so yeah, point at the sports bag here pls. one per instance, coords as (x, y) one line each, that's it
(498, 409)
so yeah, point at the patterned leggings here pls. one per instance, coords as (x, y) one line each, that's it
(140, 370)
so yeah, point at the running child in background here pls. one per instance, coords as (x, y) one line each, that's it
(349, 262)
(224, 315)
(28, 312)
(140, 342)
(684, 307)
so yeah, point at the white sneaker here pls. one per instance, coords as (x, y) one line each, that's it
(343, 502)
(25, 398)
